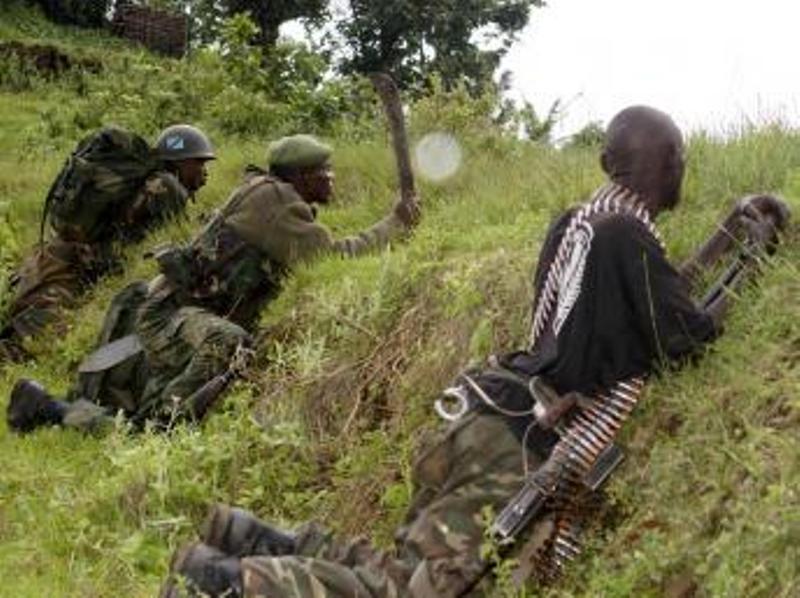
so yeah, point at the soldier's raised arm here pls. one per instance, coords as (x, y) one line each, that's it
(277, 210)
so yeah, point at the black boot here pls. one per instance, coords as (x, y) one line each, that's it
(203, 571)
(31, 406)
(237, 532)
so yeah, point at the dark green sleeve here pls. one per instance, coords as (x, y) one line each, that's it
(161, 198)
(277, 221)
(273, 218)
(376, 236)
(295, 236)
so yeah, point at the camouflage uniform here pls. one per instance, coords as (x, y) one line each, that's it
(201, 308)
(60, 271)
(478, 463)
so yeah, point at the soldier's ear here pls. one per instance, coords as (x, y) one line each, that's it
(605, 162)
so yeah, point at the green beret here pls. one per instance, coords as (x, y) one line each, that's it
(298, 151)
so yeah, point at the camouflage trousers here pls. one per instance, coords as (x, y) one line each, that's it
(184, 347)
(48, 281)
(476, 466)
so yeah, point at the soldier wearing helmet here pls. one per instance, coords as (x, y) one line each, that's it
(65, 265)
(185, 150)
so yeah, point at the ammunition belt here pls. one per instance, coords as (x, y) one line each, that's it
(586, 441)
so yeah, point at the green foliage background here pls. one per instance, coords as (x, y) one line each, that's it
(354, 353)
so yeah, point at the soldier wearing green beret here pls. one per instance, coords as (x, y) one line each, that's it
(276, 211)
(192, 318)
(297, 151)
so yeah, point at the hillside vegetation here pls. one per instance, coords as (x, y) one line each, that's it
(354, 352)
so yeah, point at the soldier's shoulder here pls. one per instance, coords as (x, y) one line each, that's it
(612, 224)
(164, 183)
(272, 190)
(622, 233)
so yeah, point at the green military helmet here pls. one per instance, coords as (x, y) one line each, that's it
(297, 152)
(184, 142)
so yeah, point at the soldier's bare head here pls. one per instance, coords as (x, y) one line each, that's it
(644, 152)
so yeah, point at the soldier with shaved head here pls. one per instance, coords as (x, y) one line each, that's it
(609, 308)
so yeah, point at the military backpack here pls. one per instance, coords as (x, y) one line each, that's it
(98, 181)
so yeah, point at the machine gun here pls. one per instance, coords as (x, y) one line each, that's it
(203, 399)
(749, 256)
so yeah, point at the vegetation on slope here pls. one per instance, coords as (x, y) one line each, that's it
(354, 352)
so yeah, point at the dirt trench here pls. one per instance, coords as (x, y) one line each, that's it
(46, 59)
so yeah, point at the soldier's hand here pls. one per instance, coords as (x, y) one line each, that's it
(761, 217)
(407, 212)
(766, 207)
(759, 231)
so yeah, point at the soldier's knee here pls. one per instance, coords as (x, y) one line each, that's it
(224, 339)
(421, 585)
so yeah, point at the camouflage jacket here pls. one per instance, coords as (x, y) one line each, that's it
(270, 215)
(60, 270)
(161, 198)
(238, 261)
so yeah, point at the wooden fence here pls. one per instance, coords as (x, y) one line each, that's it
(159, 31)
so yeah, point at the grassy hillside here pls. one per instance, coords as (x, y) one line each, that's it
(354, 352)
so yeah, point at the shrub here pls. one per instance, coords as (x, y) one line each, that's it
(17, 75)
(239, 111)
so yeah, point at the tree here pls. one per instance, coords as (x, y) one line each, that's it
(83, 13)
(206, 16)
(269, 15)
(461, 40)
(591, 135)
(532, 126)
(383, 36)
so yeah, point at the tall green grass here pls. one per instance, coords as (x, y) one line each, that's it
(353, 353)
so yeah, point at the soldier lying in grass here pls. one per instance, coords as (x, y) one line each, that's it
(609, 309)
(113, 190)
(170, 344)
